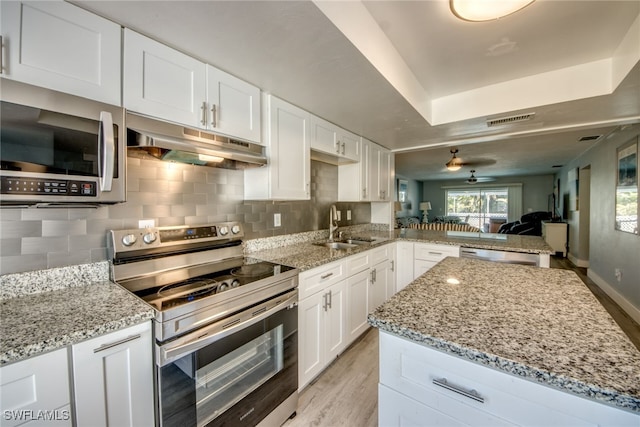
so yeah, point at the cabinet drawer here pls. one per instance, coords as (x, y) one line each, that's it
(411, 369)
(317, 279)
(396, 409)
(380, 254)
(358, 263)
(433, 252)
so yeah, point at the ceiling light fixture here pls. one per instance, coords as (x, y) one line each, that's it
(486, 10)
(455, 163)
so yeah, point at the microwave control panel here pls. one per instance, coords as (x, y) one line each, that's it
(46, 187)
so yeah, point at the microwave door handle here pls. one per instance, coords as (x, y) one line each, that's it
(107, 151)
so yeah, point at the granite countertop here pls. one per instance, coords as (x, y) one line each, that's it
(537, 323)
(302, 254)
(51, 316)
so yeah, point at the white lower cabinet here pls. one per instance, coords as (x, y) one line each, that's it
(404, 264)
(335, 300)
(411, 392)
(113, 378)
(35, 391)
(321, 330)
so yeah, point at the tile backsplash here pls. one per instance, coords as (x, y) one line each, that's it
(170, 194)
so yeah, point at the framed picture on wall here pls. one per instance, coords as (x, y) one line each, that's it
(627, 187)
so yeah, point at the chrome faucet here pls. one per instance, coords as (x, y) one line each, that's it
(333, 221)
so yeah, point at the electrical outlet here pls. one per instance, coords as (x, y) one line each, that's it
(618, 274)
(349, 215)
(276, 220)
(146, 223)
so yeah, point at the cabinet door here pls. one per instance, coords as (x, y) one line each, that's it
(113, 378)
(59, 46)
(289, 151)
(311, 314)
(357, 301)
(366, 170)
(349, 145)
(380, 175)
(162, 82)
(336, 321)
(33, 385)
(234, 106)
(378, 287)
(324, 136)
(404, 265)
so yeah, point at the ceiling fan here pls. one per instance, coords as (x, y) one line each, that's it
(456, 162)
(474, 180)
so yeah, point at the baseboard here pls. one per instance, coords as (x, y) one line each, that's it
(577, 261)
(629, 308)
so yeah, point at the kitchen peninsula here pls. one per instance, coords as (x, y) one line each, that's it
(524, 345)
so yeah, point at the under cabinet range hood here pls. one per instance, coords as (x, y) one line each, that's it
(177, 143)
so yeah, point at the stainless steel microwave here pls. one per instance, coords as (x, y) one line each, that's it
(58, 149)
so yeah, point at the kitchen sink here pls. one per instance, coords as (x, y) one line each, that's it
(337, 245)
(352, 242)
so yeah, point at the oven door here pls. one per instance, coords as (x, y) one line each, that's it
(234, 372)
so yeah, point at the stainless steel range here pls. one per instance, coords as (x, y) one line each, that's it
(225, 325)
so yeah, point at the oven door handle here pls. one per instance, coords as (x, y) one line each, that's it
(203, 337)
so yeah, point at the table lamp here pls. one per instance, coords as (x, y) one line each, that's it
(425, 207)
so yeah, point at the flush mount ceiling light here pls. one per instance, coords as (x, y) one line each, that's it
(455, 163)
(486, 10)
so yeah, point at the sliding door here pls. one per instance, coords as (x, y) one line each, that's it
(478, 206)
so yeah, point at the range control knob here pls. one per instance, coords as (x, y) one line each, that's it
(129, 239)
(224, 230)
(149, 238)
(235, 229)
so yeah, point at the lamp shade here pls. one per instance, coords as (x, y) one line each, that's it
(425, 206)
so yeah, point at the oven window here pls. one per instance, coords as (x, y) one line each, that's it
(225, 381)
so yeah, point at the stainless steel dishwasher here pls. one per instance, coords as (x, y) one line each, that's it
(501, 256)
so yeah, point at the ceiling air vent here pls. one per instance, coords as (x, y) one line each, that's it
(501, 121)
(589, 138)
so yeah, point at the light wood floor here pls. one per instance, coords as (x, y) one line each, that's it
(346, 393)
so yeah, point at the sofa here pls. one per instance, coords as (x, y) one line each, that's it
(530, 224)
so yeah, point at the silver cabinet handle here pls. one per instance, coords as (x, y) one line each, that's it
(330, 299)
(393, 265)
(435, 253)
(204, 113)
(324, 276)
(338, 147)
(116, 343)
(343, 151)
(107, 153)
(471, 394)
(214, 116)
(324, 302)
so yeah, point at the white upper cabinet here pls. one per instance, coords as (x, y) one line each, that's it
(340, 146)
(162, 82)
(286, 136)
(380, 174)
(234, 106)
(59, 46)
(370, 179)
